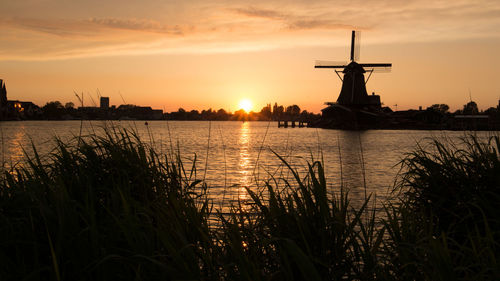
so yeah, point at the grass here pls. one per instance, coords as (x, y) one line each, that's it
(108, 208)
(111, 208)
(299, 233)
(447, 224)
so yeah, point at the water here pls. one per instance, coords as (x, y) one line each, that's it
(239, 154)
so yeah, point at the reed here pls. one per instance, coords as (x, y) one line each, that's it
(296, 231)
(447, 224)
(108, 207)
(101, 209)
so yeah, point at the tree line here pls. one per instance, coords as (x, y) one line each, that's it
(55, 110)
(267, 113)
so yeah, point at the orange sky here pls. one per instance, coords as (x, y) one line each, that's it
(212, 54)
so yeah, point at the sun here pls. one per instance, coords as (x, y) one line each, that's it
(246, 105)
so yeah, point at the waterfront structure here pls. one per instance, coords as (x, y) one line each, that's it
(23, 109)
(15, 109)
(3, 93)
(354, 108)
(3, 100)
(130, 111)
(104, 102)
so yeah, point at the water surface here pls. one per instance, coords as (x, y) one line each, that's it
(233, 155)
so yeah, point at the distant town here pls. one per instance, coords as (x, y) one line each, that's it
(55, 110)
(436, 116)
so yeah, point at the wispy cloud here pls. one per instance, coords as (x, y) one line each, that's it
(140, 25)
(292, 21)
(91, 27)
(219, 26)
(321, 24)
(260, 13)
(63, 28)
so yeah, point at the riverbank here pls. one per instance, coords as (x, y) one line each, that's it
(110, 207)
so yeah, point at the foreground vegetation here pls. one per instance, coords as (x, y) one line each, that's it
(110, 208)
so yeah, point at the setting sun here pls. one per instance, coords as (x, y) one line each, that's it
(246, 105)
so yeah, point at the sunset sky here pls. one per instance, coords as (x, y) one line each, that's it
(213, 54)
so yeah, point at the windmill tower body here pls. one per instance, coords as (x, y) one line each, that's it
(353, 86)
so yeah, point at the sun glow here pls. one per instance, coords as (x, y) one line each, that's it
(246, 105)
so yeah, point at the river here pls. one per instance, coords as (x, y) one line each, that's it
(232, 155)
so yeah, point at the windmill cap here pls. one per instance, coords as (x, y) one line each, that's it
(354, 67)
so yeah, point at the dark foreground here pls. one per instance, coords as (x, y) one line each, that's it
(111, 208)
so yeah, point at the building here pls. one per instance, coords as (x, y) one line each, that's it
(472, 122)
(15, 109)
(104, 102)
(23, 110)
(130, 111)
(3, 94)
(3, 100)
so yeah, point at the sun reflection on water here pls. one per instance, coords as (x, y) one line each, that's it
(16, 143)
(244, 163)
(14, 146)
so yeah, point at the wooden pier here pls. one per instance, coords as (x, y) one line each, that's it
(292, 124)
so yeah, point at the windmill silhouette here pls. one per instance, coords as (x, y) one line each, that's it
(353, 92)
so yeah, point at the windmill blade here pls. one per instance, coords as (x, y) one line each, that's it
(378, 69)
(330, 64)
(374, 65)
(357, 43)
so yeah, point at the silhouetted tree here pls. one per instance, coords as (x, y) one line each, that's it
(293, 110)
(53, 110)
(470, 108)
(278, 111)
(443, 108)
(492, 111)
(180, 114)
(240, 115)
(193, 115)
(69, 105)
(207, 114)
(265, 112)
(222, 115)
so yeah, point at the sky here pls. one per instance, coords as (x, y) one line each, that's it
(212, 54)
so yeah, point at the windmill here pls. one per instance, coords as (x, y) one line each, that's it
(353, 92)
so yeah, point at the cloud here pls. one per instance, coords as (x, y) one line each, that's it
(228, 26)
(260, 13)
(92, 26)
(139, 25)
(63, 28)
(321, 24)
(292, 21)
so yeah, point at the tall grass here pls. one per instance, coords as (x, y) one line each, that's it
(447, 225)
(300, 233)
(107, 208)
(110, 208)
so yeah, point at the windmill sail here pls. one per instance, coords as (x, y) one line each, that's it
(330, 64)
(356, 42)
